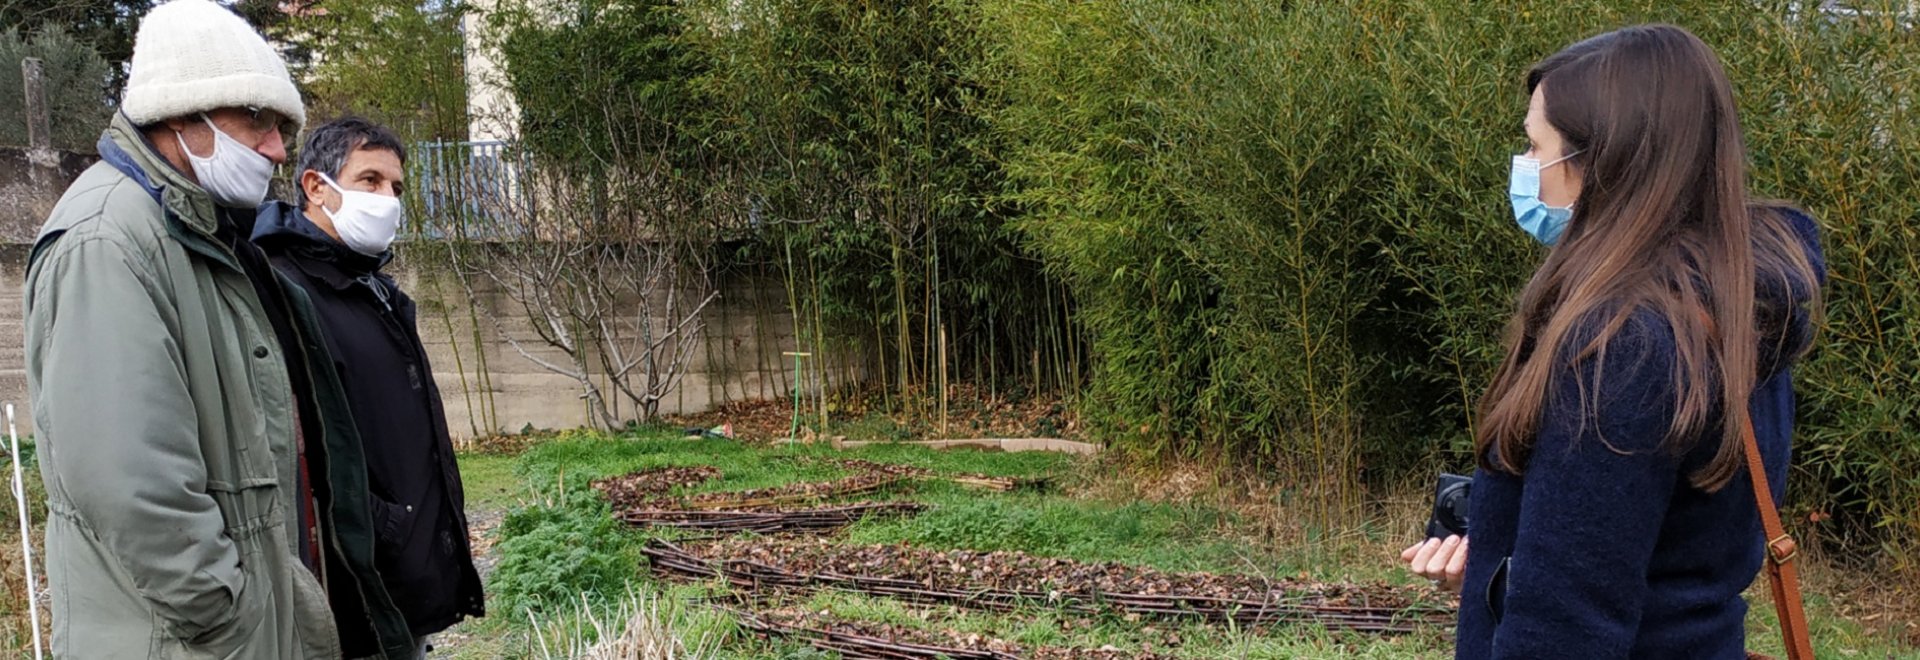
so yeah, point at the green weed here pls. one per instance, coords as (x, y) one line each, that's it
(553, 555)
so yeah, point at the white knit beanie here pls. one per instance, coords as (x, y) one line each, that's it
(192, 56)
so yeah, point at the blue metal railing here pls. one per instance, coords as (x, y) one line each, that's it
(467, 190)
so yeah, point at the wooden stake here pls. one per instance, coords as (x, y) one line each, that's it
(39, 133)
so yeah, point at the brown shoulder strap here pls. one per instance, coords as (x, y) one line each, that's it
(1781, 552)
(1782, 574)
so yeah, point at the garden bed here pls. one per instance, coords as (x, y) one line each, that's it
(1069, 582)
(801, 520)
(857, 639)
(1012, 580)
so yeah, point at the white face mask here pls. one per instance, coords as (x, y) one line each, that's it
(234, 176)
(365, 221)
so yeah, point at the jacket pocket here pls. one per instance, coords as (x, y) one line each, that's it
(392, 524)
(314, 626)
(253, 525)
(237, 638)
(1496, 597)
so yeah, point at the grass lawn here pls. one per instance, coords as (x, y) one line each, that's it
(489, 481)
(1083, 517)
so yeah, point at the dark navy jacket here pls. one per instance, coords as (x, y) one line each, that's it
(421, 538)
(1602, 549)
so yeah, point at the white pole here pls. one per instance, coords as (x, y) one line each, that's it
(26, 538)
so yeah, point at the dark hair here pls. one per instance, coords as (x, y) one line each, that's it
(329, 144)
(1664, 224)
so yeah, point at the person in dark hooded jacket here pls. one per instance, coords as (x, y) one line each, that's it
(333, 244)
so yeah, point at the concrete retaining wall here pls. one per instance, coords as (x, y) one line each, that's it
(488, 385)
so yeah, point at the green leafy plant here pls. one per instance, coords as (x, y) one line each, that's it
(555, 555)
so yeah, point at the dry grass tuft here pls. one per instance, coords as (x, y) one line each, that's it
(637, 627)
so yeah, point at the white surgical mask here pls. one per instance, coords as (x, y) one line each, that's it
(365, 221)
(234, 176)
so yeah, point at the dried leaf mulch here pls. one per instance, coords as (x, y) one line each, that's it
(648, 499)
(648, 485)
(861, 640)
(759, 420)
(773, 498)
(972, 412)
(653, 489)
(778, 521)
(976, 480)
(1009, 580)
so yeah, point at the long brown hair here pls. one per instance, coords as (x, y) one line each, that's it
(1664, 224)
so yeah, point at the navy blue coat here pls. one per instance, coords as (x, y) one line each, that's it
(414, 493)
(1602, 549)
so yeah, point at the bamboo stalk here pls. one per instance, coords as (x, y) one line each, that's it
(459, 364)
(1067, 331)
(880, 356)
(799, 339)
(979, 371)
(1036, 368)
(760, 348)
(485, 372)
(993, 356)
(716, 373)
(819, 338)
(943, 381)
(900, 307)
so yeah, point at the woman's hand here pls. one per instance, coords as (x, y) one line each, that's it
(1444, 561)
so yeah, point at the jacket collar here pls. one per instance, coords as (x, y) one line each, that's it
(187, 203)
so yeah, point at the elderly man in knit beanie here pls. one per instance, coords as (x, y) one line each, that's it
(204, 486)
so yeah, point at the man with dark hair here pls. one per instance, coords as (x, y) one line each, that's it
(333, 245)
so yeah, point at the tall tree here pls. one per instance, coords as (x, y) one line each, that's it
(400, 62)
(274, 18)
(107, 26)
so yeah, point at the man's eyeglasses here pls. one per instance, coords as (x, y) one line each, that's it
(262, 120)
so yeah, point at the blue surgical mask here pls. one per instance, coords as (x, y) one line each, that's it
(1544, 223)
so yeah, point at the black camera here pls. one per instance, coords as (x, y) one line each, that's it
(1450, 503)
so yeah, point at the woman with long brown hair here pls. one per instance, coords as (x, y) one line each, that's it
(1610, 514)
